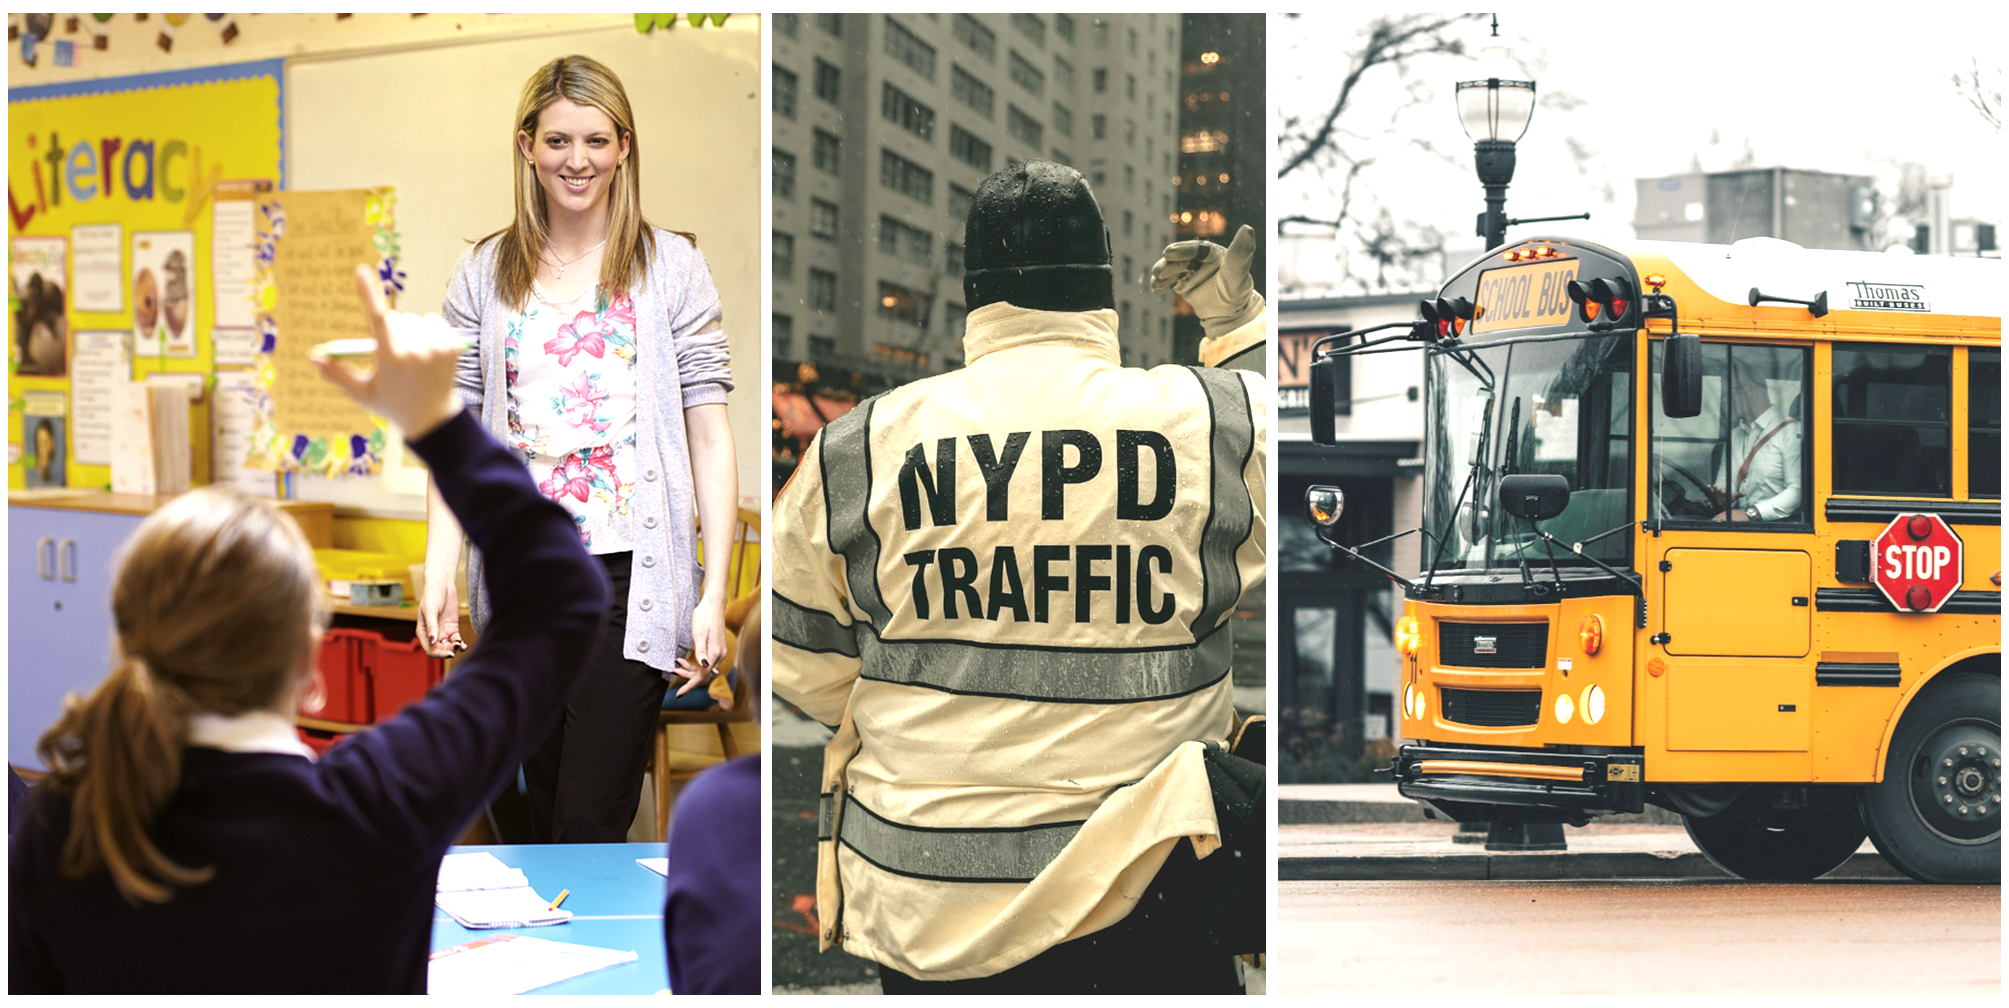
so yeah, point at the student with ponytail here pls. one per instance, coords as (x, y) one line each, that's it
(185, 840)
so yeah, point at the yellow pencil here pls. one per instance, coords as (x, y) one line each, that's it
(560, 899)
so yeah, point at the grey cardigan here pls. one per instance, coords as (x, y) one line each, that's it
(681, 361)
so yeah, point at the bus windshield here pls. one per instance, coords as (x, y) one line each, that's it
(1561, 406)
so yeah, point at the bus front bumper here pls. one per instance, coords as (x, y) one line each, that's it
(1532, 785)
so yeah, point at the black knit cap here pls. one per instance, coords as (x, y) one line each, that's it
(1035, 239)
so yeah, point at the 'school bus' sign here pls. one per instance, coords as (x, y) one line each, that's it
(1520, 297)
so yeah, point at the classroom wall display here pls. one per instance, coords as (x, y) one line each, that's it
(164, 292)
(44, 414)
(38, 278)
(309, 244)
(99, 165)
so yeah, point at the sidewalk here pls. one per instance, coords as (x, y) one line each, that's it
(1367, 832)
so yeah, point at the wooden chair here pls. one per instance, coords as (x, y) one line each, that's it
(743, 588)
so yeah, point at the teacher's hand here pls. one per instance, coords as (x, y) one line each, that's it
(439, 616)
(412, 382)
(708, 645)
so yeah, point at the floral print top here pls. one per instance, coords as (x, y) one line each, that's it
(570, 368)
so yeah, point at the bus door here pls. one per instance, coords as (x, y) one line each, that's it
(1732, 565)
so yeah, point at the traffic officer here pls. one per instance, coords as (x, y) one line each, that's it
(1007, 588)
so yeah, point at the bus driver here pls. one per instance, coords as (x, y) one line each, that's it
(1765, 454)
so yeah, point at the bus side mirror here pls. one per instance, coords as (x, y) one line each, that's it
(1324, 400)
(1535, 496)
(1681, 376)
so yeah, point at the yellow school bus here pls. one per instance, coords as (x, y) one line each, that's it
(1715, 528)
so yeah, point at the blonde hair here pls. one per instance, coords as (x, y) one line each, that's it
(629, 243)
(217, 603)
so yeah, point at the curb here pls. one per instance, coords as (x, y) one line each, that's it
(1537, 866)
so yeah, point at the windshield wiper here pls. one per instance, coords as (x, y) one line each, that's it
(1478, 463)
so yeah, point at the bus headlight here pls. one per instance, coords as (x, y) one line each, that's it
(1409, 701)
(1565, 707)
(1422, 704)
(1590, 633)
(1408, 635)
(1593, 704)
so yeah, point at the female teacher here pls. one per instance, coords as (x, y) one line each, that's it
(600, 357)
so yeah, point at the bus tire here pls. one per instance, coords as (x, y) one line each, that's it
(1777, 844)
(1937, 816)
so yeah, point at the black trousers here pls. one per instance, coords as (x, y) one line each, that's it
(1158, 949)
(585, 781)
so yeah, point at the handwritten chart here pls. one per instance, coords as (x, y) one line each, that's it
(308, 246)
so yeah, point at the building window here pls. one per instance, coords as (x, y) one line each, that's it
(1098, 125)
(971, 91)
(1101, 80)
(954, 254)
(952, 320)
(1024, 127)
(971, 151)
(822, 220)
(908, 48)
(784, 255)
(900, 108)
(902, 305)
(822, 291)
(1063, 26)
(1030, 26)
(822, 347)
(1129, 178)
(831, 23)
(1131, 80)
(784, 175)
(829, 152)
(1062, 157)
(829, 82)
(784, 93)
(788, 24)
(960, 200)
(981, 40)
(784, 336)
(900, 355)
(1128, 222)
(900, 239)
(906, 178)
(1063, 74)
(1026, 75)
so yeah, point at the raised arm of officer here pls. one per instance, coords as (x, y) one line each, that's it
(1216, 281)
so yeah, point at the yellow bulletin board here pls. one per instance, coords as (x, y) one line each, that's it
(309, 244)
(144, 153)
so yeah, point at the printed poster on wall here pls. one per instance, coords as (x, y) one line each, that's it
(309, 244)
(164, 287)
(98, 283)
(43, 416)
(38, 278)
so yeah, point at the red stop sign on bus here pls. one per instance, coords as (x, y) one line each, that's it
(1916, 561)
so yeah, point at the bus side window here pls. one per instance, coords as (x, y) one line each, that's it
(1984, 418)
(1893, 422)
(1746, 450)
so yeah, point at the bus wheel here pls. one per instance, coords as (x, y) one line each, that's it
(1777, 844)
(1937, 815)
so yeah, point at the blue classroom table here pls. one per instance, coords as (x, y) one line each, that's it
(616, 904)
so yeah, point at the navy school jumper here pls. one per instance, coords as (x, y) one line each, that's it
(325, 871)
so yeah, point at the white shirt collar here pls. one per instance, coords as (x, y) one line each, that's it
(260, 731)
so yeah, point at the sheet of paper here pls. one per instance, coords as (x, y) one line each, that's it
(514, 964)
(234, 347)
(132, 439)
(233, 264)
(234, 419)
(478, 870)
(500, 908)
(659, 865)
(100, 364)
(99, 283)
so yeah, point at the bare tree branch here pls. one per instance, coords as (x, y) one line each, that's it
(1391, 41)
(1984, 95)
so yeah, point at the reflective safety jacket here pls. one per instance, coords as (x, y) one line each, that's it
(1008, 588)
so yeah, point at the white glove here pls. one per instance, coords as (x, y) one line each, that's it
(1214, 280)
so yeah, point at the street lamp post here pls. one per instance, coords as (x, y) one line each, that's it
(1495, 110)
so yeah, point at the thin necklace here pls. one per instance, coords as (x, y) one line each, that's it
(560, 267)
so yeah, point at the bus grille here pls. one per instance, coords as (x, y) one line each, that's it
(1492, 708)
(1514, 645)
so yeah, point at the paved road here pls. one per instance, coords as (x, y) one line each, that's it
(1688, 936)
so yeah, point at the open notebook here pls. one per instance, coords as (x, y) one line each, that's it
(479, 891)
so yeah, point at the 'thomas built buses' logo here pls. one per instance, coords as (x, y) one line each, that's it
(1888, 297)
